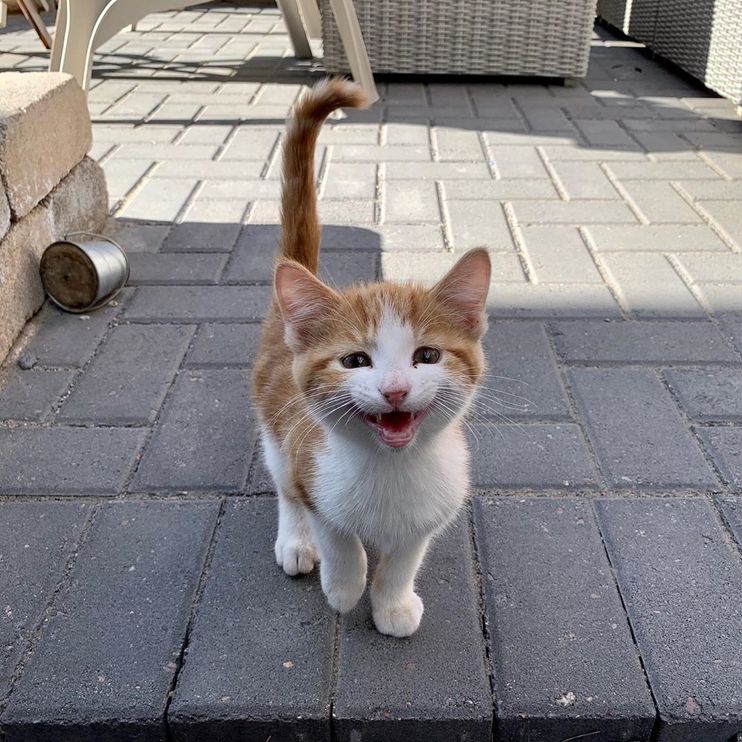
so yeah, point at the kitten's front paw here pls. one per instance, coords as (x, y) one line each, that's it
(343, 597)
(295, 556)
(400, 617)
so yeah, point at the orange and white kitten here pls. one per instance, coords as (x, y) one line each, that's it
(361, 395)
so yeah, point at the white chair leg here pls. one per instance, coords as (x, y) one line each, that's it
(355, 47)
(55, 60)
(3, 14)
(291, 15)
(312, 19)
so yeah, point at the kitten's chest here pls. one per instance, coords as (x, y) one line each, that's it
(386, 499)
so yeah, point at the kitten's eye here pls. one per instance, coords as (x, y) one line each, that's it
(356, 360)
(426, 355)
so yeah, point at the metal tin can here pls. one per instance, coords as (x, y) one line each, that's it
(80, 276)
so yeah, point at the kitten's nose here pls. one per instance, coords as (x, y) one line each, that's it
(395, 396)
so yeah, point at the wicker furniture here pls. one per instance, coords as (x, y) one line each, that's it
(703, 37)
(545, 38)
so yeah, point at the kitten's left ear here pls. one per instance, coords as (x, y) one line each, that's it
(464, 289)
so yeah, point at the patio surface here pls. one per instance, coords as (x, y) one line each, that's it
(593, 590)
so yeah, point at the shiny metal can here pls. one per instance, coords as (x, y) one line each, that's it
(82, 275)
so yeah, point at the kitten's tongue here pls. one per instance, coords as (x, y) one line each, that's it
(397, 428)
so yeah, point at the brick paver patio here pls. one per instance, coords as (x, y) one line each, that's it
(593, 591)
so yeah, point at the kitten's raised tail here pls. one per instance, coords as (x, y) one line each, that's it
(300, 228)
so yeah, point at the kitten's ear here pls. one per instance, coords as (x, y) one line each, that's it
(302, 299)
(464, 289)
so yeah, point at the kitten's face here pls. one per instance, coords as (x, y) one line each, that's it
(385, 363)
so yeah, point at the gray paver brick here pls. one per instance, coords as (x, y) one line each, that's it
(66, 339)
(636, 278)
(725, 447)
(660, 202)
(279, 634)
(30, 395)
(584, 180)
(67, 461)
(672, 170)
(654, 238)
(604, 133)
(721, 298)
(427, 268)
(708, 394)
(377, 153)
(127, 381)
(726, 215)
(675, 569)
(521, 373)
(552, 300)
(518, 162)
(557, 626)
(657, 342)
(135, 236)
(499, 190)
(438, 171)
(411, 237)
(198, 303)
(559, 255)
(458, 145)
(350, 180)
(638, 435)
(478, 224)
(160, 199)
(36, 540)
(224, 345)
(445, 694)
(539, 455)
(580, 212)
(409, 201)
(205, 435)
(172, 268)
(193, 236)
(731, 511)
(711, 190)
(106, 659)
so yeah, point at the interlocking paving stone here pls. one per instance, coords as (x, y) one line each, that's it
(198, 303)
(660, 342)
(160, 199)
(36, 540)
(64, 461)
(521, 373)
(438, 170)
(106, 659)
(636, 278)
(410, 237)
(427, 268)
(538, 455)
(731, 328)
(559, 255)
(500, 190)
(552, 300)
(725, 446)
(201, 237)
(260, 651)
(654, 238)
(712, 268)
(518, 162)
(564, 663)
(708, 394)
(67, 339)
(127, 381)
(637, 432)
(224, 345)
(439, 690)
(172, 268)
(478, 224)
(731, 511)
(676, 571)
(573, 212)
(659, 202)
(584, 180)
(721, 298)
(30, 395)
(205, 435)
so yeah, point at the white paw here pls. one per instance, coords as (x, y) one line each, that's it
(295, 556)
(400, 617)
(343, 597)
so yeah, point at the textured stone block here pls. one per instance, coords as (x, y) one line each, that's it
(708, 394)
(201, 237)
(177, 269)
(438, 688)
(654, 238)
(676, 571)
(205, 436)
(637, 432)
(564, 663)
(127, 380)
(36, 540)
(260, 651)
(224, 345)
(661, 342)
(559, 255)
(67, 461)
(535, 456)
(44, 132)
(4, 212)
(552, 300)
(725, 446)
(30, 395)
(105, 663)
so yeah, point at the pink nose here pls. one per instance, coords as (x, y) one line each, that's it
(395, 396)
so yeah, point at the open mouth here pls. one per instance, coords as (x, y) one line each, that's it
(396, 429)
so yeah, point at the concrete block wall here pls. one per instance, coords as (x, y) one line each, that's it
(48, 185)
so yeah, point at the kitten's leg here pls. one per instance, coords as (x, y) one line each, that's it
(342, 566)
(397, 608)
(295, 552)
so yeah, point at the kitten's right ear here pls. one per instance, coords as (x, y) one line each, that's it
(303, 301)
